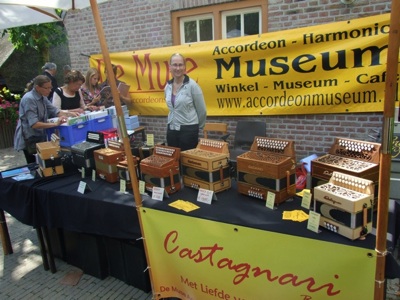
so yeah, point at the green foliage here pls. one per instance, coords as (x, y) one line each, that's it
(39, 37)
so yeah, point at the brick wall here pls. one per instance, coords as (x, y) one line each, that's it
(145, 24)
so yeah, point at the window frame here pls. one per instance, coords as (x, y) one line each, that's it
(240, 12)
(216, 12)
(196, 18)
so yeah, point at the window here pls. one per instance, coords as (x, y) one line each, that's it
(197, 29)
(221, 21)
(241, 23)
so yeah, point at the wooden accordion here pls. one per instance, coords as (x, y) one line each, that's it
(161, 169)
(106, 161)
(207, 166)
(269, 166)
(49, 159)
(345, 205)
(352, 157)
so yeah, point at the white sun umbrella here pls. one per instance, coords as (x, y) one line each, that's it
(60, 4)
(21, 15)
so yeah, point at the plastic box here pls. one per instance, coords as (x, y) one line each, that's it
(132, 122)
(70, 135)
(102, 123)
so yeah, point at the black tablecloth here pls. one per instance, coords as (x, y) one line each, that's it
(54, 202)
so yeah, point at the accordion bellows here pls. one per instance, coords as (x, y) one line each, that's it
(269, 166)
(161, 169)
(106, 161)
(353, 157)
(207, 166)
(48, 158)
(345, 205)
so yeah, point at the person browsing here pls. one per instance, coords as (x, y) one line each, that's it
(107, 99)
(69, 96)
(34, 111)
(187, 109)
(91, 89)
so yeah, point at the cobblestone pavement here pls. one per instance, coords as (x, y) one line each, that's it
(22, 275)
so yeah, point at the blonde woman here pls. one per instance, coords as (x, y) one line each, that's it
(187, 108)
(91, 89)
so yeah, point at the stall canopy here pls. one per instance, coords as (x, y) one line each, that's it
(22, 15)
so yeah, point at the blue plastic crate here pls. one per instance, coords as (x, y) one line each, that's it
(102, 123)
(132, 126)
(70, 135)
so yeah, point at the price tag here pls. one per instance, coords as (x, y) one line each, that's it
(142, 187)
(122, 186)
(306, 200)
(150, 140)
(205, 196)
(82, 187)
(270, 200)
(313, 221)
(158, 193)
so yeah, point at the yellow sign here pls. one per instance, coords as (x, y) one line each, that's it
(331, 68)
(192, 258)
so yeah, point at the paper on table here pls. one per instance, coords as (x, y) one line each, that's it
(295, 215)
(184, 205)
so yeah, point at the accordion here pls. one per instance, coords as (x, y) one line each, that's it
(352, 157)
(207, 166)
(106, 161)
(269, 166)
(161, 169)
(345, 205)
(49, 159)
(83, 153)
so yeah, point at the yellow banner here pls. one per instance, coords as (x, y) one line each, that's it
(332, 68)
(193, 258)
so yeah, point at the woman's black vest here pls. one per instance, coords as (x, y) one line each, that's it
(67, 102)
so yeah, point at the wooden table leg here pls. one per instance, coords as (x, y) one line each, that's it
(42, 247)
(46, 250)
(49, 251)
(5, 235)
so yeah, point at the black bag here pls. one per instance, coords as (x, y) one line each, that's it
(30, 143)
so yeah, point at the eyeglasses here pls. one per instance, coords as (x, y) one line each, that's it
(177, 65)
(45, 87)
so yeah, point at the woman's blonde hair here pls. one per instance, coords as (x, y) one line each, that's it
(89, 74)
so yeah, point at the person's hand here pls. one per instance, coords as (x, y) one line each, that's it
(61, 120)
(96, 99)
(74, 114)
